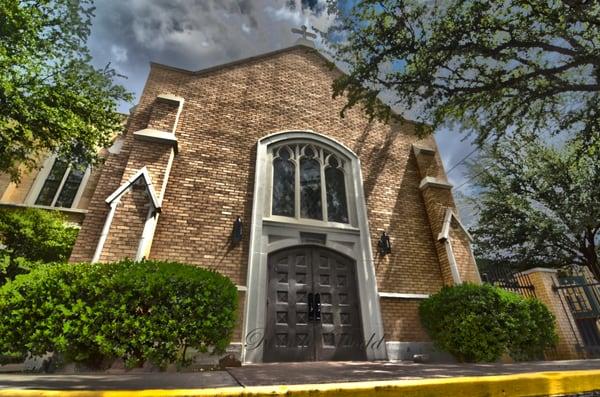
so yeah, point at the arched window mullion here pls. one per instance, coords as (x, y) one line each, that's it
(297, 182)
(323, 186)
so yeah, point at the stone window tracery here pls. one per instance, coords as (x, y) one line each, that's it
(309, 182)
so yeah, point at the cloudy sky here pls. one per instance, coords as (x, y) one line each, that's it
(198, 34)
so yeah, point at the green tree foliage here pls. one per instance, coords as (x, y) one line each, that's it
(490, 65)
(479, 323)
(138, 311)
(538, 205)
(51, 98)
(30, 236)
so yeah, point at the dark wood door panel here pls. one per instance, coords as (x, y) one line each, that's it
(291, 335)
(339, 333)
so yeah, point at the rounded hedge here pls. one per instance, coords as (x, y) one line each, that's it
(478, 323)
(138, 311)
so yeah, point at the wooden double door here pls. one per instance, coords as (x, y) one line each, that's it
(312, 307)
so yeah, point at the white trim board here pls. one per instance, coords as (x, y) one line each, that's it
(145, 175)
(445, 233)
(401, 295)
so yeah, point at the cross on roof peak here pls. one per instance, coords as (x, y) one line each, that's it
(304, 32)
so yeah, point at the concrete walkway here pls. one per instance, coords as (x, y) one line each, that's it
(281, 374)
(337, 372)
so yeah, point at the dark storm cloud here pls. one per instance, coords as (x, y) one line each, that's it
(193, 34)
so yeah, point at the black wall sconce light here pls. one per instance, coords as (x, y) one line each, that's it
(236, 236)
(385, 246)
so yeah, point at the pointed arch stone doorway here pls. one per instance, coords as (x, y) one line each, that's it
(313, 310)
(347, 235)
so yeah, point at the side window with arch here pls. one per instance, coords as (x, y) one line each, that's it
(309, 182)
(337, 205)
(284, 183)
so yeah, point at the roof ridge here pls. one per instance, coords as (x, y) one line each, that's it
(237, 61)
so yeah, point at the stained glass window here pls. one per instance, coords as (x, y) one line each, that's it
(69, 189)
(52, 183)
(56, 193)
(310, 186)
(337, 208)
(283, 184)
(298, 171)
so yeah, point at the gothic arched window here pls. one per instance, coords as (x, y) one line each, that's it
(284, 182)
(309, 182)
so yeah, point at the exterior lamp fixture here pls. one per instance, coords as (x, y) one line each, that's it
(237, 230)
(385, 246)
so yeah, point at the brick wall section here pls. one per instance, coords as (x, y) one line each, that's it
(108, 182)
(226, 111)
(462, 253)
(437, 201)
(543, 280)
(164, 114)
(401, 320)
(127, 226)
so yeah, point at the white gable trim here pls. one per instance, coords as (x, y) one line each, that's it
(114, 199)
(142, 173)
(445, 233)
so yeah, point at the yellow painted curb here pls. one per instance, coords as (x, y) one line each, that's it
(518, 385)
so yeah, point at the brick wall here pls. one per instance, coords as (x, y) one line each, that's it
(462, 253)
(568, 337)
(401, 320)
(226, 111)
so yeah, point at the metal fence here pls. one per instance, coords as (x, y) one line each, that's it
(581, 295)
(509, 280)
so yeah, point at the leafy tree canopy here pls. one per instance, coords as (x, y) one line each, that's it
(491, 65)
(538, 205)
(51, 98)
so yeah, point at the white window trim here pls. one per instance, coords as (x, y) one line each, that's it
(41, 177)
(269, 235)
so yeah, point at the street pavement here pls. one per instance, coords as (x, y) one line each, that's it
(279, 374)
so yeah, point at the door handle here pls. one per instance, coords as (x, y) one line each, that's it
(311, 307)
(317, 307)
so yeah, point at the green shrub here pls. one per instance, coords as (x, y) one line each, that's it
(138, 311)
(31, 236)
(534, 332)
(37, 235)
(480, 323)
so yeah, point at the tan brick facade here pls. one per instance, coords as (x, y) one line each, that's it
(226, 111)
(401, 320)
(543, 281)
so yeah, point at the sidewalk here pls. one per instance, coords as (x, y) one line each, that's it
(327, 378)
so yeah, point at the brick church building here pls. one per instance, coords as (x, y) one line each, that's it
(247, 168)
